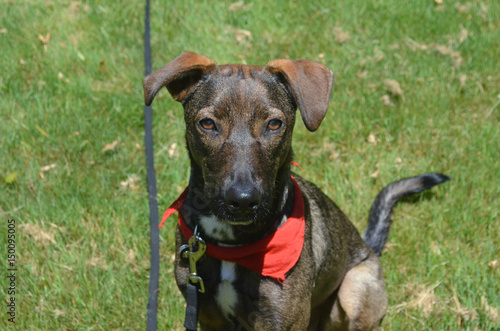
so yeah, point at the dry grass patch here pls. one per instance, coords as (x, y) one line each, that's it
(41, 236)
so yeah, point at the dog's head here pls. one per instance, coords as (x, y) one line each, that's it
(239, 123)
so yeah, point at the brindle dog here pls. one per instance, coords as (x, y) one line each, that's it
(239, 124)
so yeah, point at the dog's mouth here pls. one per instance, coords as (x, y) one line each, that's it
(238, 223)
(236, 219)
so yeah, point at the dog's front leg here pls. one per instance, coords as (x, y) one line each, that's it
(292, 315)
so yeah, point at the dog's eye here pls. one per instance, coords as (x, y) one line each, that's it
(207, 124)
(274, 124)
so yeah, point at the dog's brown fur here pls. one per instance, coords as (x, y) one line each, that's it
(337, 282)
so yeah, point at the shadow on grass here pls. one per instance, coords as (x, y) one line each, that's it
(426, 195)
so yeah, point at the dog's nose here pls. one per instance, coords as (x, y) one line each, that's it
(243, 198)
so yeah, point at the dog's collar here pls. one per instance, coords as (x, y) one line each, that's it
(273, 255)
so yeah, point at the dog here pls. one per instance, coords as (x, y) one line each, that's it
(291, 260)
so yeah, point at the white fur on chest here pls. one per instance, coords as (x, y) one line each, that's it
(226, 296)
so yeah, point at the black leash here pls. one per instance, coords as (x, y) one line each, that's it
(191, 318)
(192, 252)
(154, 271)
(196, 248)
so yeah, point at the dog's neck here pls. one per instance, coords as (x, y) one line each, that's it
(196, 211)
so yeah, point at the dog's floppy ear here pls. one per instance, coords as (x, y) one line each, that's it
(310, 84)
(179, 76)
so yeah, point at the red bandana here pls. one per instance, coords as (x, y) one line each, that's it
(271, 256)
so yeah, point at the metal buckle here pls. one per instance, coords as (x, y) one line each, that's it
(197, 248)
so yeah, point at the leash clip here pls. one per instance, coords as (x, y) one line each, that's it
(197, 248)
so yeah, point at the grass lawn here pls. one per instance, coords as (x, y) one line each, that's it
(417, 90)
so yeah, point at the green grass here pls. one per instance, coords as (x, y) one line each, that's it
(83, 246)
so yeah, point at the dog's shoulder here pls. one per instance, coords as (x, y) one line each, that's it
(319, 204)
(329, 228)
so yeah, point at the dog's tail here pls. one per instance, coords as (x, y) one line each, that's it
(379, 221)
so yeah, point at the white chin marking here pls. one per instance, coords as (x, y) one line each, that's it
(226, 296)
(216, 229)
